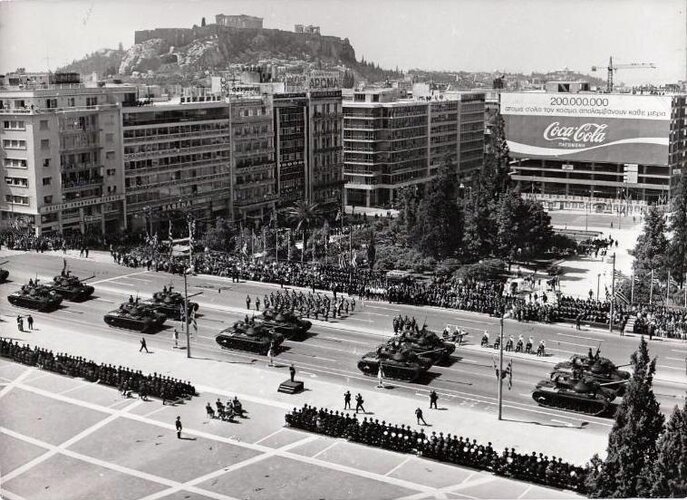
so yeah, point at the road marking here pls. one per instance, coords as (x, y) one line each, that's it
(103, 300)
(580, 337)
(16, 382)
(571, 343)
(156, 410)
(382, 307)
(118, 277)
(326, 449)
(362, 320)
(403, 462)
(53, 450)
(670, 367)
(139, 279)
(9, 495)
(674, 359)
(269, 435)
(679, 350)
(527, 490)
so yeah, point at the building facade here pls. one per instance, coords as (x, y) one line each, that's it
(177, 161)
(61, 154)
(254, 172)
(308, 141)
(392, 143)
(596, 152)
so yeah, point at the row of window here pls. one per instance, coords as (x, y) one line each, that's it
(17, 200)
(14, 125)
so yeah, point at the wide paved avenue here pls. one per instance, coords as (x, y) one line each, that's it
(332, 350)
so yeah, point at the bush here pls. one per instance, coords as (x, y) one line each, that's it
(487, 269)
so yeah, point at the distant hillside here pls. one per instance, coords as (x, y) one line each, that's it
(184, 51)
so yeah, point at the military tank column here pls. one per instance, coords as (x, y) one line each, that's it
(286, 322)
(588, 385)
(72, 288)
(171, 303)
(249, 335)
(35, 296)
(136, 316)
(396, 361)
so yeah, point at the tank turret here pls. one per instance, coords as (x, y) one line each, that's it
(138, 317)
(585, 395)
(291, 326)
(171, 303)
(71, 287)
(253, 337)
(397, 362)
(603, 370)
(35, 296)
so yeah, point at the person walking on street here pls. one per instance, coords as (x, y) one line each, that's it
(257, 303)
(20, 323)
(420, 418)
(176, 339)
(433, 398)
(179, 427)
(347, 400)
(29, 321)
(144, 345)
(292, 371)
(359, 403)
(380, 378)
(248, 302)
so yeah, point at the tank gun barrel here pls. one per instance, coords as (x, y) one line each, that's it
(5, 262)
(612, 383)
(89, 278)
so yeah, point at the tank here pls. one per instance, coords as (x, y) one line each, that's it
(253, 337)
(137, 317)
(427, 344)
(171, 303)
(35, 296)
(603, 370)
(4, 273)
(585, 395)
(72, 288)
(398, 363)
(287, 323)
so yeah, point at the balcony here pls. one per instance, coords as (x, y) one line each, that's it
(82, 183)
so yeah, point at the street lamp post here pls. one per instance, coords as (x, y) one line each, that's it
(598, 282)
(500, 393)
(186, 318)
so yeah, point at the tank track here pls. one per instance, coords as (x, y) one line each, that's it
(591, 408)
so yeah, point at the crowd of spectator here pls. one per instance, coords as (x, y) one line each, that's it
(660, 321)
(452, 449)
(125, 379)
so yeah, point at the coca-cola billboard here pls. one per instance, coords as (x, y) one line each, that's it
(588, 127)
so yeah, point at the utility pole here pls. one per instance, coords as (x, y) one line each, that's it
(500, 394)
(186, 318)
(610, 323)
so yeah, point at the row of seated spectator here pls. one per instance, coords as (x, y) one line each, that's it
(660, 321)
(125, 379)
(453, 449)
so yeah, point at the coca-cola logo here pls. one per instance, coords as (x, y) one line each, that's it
(587, 132)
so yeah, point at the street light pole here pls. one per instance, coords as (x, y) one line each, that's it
(598, 282)
(610, 322)
(500, 394)
(186, 318)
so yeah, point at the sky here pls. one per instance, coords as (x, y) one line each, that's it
(469, 35)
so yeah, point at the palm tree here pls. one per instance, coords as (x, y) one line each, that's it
(304, 215)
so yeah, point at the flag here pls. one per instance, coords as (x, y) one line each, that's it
(509, 371)
(244, 250)
(169, 234)
(496, 369)
(673, 282)
(620, 296)
(354, 256)
(193, 320)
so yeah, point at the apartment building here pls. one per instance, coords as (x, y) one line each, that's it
(254, 179)
(61, 157)
(308, 141)
(392, 143)
(177, 161)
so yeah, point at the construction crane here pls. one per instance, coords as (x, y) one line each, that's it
(612, 68)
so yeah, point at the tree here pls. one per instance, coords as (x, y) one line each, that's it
(371, 252)
(652, 245)
(304, 215)
(220, 236)
(202, 23)
(439, 228)
(632, 442)
(120, 47)
(677, 249)
(668, 474)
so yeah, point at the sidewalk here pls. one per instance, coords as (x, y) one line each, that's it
(253, 381)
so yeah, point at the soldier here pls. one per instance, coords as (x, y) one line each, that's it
(420, 418)
(433, 398)
(347, 400)
(248, 302)
(29, 321)
(143, 345)
(20, 323)
(359, 403)
(179, 427)
(292, 371)
(257, 303)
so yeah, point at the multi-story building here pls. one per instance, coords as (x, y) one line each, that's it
(308, 141)
(177, 160)
(597, 152)
(254, 180)
(61, 157)
(392, 143)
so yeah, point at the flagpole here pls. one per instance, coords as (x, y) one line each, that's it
(610, 322)
(186, 318)
(276, 236)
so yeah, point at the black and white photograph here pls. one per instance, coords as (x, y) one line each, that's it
(343, 249)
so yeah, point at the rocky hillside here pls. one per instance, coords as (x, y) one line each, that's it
(104, 62)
